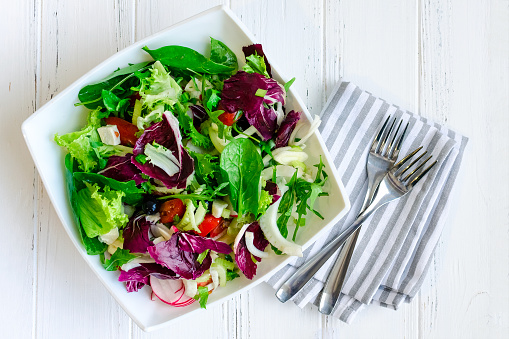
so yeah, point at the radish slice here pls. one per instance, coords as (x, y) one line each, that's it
(252, 248)
(171, 292)
(239, 236)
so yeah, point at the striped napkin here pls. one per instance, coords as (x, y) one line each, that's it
(396, 243)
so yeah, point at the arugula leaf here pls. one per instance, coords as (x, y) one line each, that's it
(304, 194)
(222, 59)
(203, 296)
(188, 129)
(241, 166)
(207, 194)
(118, 258)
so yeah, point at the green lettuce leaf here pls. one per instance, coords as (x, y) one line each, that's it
(80, 143)
(132, 194)
(100, 210)
(159, 87)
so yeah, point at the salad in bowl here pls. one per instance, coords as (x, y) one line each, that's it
(190, 171)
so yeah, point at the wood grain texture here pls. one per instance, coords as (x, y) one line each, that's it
(65, 288)
(444, 59)
(18, 200)
(464, 83)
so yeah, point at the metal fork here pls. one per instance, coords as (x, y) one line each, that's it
(393, 186)
(381, 157)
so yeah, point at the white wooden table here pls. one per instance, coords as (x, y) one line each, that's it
(445, 59)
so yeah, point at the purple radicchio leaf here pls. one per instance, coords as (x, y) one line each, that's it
(239, 94)
(165, 133)
(122, 169)
(198, 244)
(139, 276)
(199, 115)
(286, 128)
(273, 190)
(136, 234)
(257, 49)
(243, 256)
(169, 254)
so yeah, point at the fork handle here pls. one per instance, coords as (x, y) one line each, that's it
(304, 273)
(332, 288)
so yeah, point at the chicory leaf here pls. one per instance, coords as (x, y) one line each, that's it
(139, 276)
(136, 234)
(286, 128)
(185, 264)
(122, 169)
(198, 244)
(258, 50)
(243, 256)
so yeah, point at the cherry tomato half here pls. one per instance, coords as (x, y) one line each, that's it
(208, 224)
(218, 230)
(126, 129)
(170, 208)
(227, 118)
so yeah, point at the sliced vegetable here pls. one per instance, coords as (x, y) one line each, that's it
(171, 208)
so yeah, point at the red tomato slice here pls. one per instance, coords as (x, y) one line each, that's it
(208, 224)
(170, 208)
(127, 130)
(227, 118)
(218, 230)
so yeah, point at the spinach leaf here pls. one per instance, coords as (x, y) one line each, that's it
(222, 59)
(127, 70)
(221, 54)
(119, 81)
(241, 165)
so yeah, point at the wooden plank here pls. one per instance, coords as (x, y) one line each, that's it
(374, 45)
(464, 79)
(19, 205)
(70, 301)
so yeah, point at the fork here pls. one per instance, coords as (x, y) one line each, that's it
(394, 185)
(381, 157)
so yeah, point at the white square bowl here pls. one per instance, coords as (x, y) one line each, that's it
(60, 116)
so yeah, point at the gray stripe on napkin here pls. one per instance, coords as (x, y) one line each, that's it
(397, 242)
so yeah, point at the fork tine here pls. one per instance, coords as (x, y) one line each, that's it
(418, 167)
(391, 144)
(412, 163)
(405, 159)
(421, 175)
(382, 145)
(397, 147)
(375, 142)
